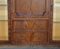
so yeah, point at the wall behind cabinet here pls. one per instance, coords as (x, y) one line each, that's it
(56, 20)
(3, 20)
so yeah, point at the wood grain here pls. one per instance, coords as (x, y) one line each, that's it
(29, 21)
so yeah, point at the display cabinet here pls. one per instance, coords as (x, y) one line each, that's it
(30, 22)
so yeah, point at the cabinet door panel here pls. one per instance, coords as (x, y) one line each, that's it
(19, 26)
(36, 24)
(31, 8)
(22, 7)
(29, 31)
(39, 38)
(30, 25)
(29, 21)
(38, 7)
(21, 38)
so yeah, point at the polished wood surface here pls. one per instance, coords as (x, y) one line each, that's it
(29, 21)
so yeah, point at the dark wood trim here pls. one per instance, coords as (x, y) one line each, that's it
(54, 42)
(2, 42)
(9, 19)
(50, 23)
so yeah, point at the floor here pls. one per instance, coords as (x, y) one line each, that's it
(28, 47)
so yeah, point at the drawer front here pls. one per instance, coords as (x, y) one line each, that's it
(39, 38)
(21, 38)
(30, 25)
(29, 37)
(29, 32)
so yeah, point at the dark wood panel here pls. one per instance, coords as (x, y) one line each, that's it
(38, 7)
(31, 8)
(18, 26)
(22, 7)
(21, 38)
(29, 32)
(29, 38)
(37, 18)
(39, 38)
(29, 21)
(28, 25)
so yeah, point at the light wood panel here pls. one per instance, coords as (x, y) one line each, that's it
(56, 12)
(3, 30)
(3, 13)
(3, 20)
(56, 21)
(57, 1)
(56, 31)
(3, 2)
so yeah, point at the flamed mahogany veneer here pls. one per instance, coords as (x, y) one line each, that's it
(30, 21)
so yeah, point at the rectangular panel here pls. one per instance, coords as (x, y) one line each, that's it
(30, 25)
(31, 8)
(56, 31)
(39, 38)
(29, 38)
(56, 21)
(22, 7)
(38, 7)
(3, 12)
(29, 31)
(3, 30)
(57, 1)
(4, 2)
(56, 13)
(20, 38)
(19, 26)
(25, 29)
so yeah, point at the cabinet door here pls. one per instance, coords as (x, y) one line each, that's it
(30, 8)
(29, 21)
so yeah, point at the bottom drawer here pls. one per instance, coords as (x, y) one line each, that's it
(39, 38)
(26, 38)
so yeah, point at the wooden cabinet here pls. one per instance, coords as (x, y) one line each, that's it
(29, 21)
